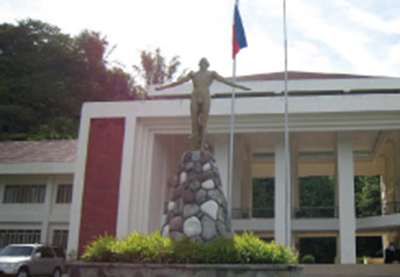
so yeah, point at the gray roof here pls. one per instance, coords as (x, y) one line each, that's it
(62, 151)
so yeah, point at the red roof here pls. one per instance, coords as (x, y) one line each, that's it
(62, 151)
(298, 75)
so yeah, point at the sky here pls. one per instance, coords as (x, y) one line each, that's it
(334, 36)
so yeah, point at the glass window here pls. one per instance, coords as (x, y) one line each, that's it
(18, 236)
(60, 238)
(64, 194)
(24, 194)
(45, 252)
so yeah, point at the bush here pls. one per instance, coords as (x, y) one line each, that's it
(101, 250)
(308, 259)
(143, 248)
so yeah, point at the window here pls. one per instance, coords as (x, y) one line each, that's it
(46, 252)
(18, 236)
(317, 197)
(263, 197)
(60, 238)
(64, 194)
(24, 194)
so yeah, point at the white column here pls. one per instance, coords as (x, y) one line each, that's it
(50, 185)
(158, 185)
(78, 183)
(221, 155)
(124, 216)
(141, 180)
(282, 194)
(345, 181)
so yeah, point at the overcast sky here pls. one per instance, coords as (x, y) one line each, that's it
(340, 36)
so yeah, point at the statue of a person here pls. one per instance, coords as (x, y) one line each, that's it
(200, 99)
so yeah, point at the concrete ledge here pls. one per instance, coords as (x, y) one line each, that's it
(374, 260)
(352, 270)
(80, 269)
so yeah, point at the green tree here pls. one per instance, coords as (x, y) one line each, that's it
(317, 196)
(263, 197)
(367, 196)
(34, 64)
(46, 75)
(154, 69)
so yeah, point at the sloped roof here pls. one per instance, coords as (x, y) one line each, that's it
(62, 151)
(299, 75)
(272, 82)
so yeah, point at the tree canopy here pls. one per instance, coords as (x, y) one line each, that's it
(154, 69)
(46, 76)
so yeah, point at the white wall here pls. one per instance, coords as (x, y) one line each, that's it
(47, 216)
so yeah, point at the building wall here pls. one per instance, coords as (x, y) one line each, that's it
(102, 179)
(146, 121)
(45, 217)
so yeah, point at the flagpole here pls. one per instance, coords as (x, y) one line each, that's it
(287, 156)
(231, 141)
(231, 135)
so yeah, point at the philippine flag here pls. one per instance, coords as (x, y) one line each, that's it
(239, 37)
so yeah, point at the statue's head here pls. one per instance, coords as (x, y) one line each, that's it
(204, 63)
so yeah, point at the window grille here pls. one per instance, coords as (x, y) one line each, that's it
(24, 194)
(64, 194)
(60, 238)
(19, 236)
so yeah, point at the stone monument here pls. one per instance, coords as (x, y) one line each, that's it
(198, 209)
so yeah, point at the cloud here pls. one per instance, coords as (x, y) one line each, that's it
(306, 53)
(370, 20)
(338, 35)
(333, 38)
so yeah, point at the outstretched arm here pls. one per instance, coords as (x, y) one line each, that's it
(177, 83)
(226, 82)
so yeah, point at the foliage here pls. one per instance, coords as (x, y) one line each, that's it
(154, 69)
(143, 248)
(316, 197)
(102, 249)
(308, 259)
(46, 76)
(263, 197)
(369, 246)
(322, 248)
(367, 196)
(251, 249)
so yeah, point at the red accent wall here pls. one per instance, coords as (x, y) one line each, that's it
(102, 178)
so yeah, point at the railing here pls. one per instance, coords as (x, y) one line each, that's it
(391, 208)
(263, 212)
(315, 212)
(303, 212)
(252, 213)
(369, 211)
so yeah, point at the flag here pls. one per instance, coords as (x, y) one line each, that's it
(239, 37)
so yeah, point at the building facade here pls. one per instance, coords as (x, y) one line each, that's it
(340, 126)
(36, 180)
